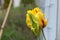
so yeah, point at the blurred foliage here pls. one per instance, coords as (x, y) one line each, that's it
(6, 3)
(27, 1)
(15, 28)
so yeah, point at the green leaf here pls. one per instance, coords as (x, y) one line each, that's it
(35, 25)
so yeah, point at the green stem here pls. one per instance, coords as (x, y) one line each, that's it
(43, 34)
(38, 37)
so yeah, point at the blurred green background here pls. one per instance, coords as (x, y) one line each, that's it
(16, 28)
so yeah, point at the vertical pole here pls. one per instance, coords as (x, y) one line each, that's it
(5, 19)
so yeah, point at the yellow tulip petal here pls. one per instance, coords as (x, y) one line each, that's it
(28, 21)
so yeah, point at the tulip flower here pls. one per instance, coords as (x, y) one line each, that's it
(35, 20)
